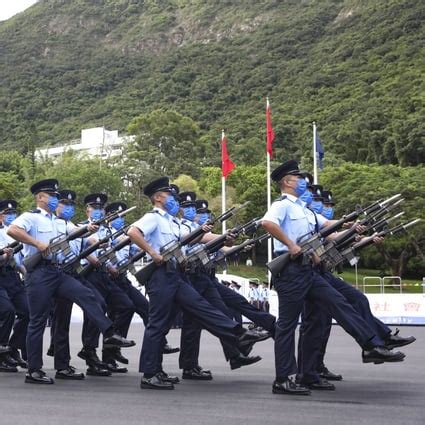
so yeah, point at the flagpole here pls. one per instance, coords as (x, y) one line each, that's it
(315, 179)
(269, 202)
(223, 194)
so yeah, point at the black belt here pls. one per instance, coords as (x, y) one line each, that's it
(45, 262)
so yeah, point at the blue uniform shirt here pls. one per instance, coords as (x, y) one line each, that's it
(65, 228)
(294, 218)
(159, 228)
(187, 227)
(40, 225)
(5, 240)
(124, 254)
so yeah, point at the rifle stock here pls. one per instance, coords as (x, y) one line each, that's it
(12, 245)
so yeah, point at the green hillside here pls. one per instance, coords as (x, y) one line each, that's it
(354, 66)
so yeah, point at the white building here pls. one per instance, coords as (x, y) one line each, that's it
(95, 142)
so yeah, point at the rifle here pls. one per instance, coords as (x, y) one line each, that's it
(373, 221)
(16, 247)
(201, 253)
(332, 255)
(74, 266)
(234, 250)
(13, 245)
(174, 248)
(128, 265)
(349, 253)
(107, 255)
(314, 244)
(61, 243)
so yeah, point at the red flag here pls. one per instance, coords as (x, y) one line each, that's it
(270, 132)
(226, 164)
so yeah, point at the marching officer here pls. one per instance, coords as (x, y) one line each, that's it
(140, 303)
(202, 283)
(168, 286)
(289, 221)
(13, 300)
(120, 308)
(35, 229)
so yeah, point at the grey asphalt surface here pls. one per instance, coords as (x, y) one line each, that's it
(369, 394)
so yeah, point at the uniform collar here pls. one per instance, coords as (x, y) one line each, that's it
(46, 213)
(160, 211)
(292, 198)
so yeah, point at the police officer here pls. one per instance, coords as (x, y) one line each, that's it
(237, 303)
(316, 324)
(289, 221)
(35, 229)
(253, 294)
(13, 300)
(202, 283)
(62, 312)
(265, 292)
(140, 303)
(168, 286)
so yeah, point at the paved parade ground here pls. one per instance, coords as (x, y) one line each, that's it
(369, 394)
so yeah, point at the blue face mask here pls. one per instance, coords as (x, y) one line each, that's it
(8, 218)
(171, 205)
(307, 197)
(118, 223)
(97, 214)
(301, 187)
(189, 213)
(68, 211)
(203, 217)
(328, 212)
(316, 206)
(52, 203)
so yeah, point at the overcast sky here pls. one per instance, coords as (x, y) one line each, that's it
(8, 8)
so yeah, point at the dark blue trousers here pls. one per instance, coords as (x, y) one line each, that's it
(316, 327)
(60, 322)
(13, 302)
(7, 317)
(238, 303)
(296, 285)
(165, 288)
(119, 306)
(44, 284)
(190, 338)
(140, 303)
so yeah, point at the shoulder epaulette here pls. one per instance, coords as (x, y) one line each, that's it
(35, 211)
(281, 198)
(153, 212)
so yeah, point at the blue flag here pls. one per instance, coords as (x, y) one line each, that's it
(319, 151)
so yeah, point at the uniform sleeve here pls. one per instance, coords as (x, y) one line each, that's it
(70, 227)
(276, 213)
(24, 221)
(147, 224)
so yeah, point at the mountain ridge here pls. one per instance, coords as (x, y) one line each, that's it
(354, 66)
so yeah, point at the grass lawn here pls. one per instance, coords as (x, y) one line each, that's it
(408, 285)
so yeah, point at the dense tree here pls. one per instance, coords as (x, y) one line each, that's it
(349, 65)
